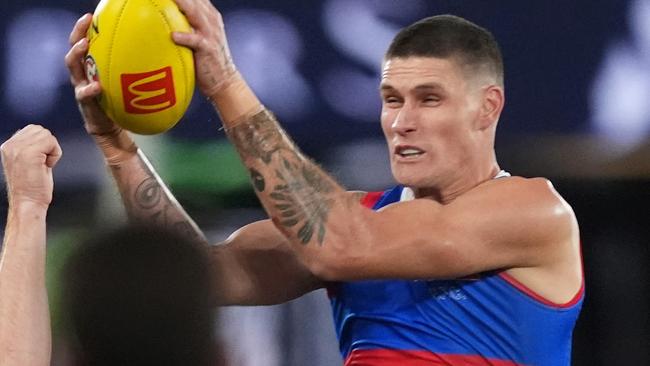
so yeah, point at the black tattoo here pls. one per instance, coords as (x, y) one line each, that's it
(258, 180)
(302, 193)
(148, 193)
(226, 60)
(302, 197)
(258, 137)
(159, 217)
(149, 204)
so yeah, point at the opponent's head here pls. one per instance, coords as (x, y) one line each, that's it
(141, 296)
(442, 92)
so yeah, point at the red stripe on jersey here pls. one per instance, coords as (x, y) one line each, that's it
(386, 357)
(371, 198)
(534, 295)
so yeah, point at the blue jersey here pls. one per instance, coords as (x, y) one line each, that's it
(488, 319)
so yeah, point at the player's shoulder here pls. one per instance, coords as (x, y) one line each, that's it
(538, 192)
(514, 184)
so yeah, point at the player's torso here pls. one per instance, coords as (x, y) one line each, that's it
(483, 320)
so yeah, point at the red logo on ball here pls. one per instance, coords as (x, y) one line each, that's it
(148, 92)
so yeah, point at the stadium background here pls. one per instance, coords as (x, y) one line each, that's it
(577, 111)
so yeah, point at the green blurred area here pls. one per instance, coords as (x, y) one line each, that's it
(60, 244)
(204, 174)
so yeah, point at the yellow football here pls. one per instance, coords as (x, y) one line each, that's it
(147, 80)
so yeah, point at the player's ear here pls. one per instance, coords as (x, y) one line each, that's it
(491, 107)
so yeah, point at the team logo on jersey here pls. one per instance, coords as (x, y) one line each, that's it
(92, 74)
(148, 92)
(446, 290)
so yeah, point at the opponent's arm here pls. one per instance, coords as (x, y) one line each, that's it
(512, 223)
(28, 158)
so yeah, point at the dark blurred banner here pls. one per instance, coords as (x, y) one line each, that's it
(571, 66)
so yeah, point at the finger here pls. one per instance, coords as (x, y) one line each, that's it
(19, 131)
(29, 130)
(74, 61)
(80, 28)
(41, 140)
(194, 12)
(55, 153)
(85, 93)
(190, 40)
(29, 134)
(186, 7)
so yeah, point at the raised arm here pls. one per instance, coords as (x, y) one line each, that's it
(27, 158)
(145, 196)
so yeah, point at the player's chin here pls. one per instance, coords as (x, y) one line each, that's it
(409, 176)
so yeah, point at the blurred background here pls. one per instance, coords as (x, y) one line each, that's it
(577, 111)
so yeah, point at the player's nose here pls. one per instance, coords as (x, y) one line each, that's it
(405, 121)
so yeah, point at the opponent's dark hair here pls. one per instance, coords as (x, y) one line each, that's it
(141, 296)
(449, 36)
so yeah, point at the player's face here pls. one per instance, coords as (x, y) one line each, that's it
(428, 113)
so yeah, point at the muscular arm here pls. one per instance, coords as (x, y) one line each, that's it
(256, 266)
(499, 225)
(503, 224)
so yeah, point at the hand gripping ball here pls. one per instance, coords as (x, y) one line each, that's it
(147, 80)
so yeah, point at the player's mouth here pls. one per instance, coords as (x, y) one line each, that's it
(408, 153)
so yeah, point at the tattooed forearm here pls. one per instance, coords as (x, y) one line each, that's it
(259, 137)
(148, 193)
(296, 193)
(147, 200)
(303, 197)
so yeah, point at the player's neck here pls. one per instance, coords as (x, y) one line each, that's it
(467, 180)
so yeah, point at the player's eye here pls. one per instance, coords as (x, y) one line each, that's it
(431, 98)
(391, 100)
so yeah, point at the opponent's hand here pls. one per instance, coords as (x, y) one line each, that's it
(27, 159)
(215, 69)
(86, 92)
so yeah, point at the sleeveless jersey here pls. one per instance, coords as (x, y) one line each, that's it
(488, 319)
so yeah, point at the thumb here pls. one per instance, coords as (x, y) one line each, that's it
(190, 40)
(54, 155)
